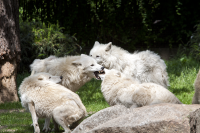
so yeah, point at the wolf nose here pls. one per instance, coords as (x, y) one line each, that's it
(102, 68)
(61, 77)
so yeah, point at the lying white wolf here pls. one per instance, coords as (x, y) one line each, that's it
(43, 97)
(118, 89)
(145, 66)
(75, 70)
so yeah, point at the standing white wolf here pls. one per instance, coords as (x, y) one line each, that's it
(44, 98)
(75, 70)
(144, 66)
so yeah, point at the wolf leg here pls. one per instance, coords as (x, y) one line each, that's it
(60, 118)
(34, 117)
(46, 127)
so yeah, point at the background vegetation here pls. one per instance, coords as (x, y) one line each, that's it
(130, 23)
(39, 40)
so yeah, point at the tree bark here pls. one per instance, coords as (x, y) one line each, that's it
(9, 49)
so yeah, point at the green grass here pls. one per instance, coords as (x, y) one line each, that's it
(182, 73)
(19, 122)
(92, 97)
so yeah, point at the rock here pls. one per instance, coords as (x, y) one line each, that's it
(159, 118)
(195, 121)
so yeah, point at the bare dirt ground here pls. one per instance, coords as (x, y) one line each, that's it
(11, 110)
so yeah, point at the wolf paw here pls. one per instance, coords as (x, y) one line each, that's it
(37, 129)
(46, 129)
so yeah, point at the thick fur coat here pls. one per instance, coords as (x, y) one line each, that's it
(144, 66)
(196, 97)
(75, 70)
(117, 88)
(44, 98)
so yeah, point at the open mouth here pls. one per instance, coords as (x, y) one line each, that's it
(97, 73)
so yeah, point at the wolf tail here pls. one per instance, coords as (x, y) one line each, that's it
(38, 65)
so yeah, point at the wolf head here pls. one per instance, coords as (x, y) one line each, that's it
(88, 64)
(114, 75)
(101, 52)
(111, 73)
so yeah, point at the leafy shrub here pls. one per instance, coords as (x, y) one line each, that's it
(39, 41)
(49, 40)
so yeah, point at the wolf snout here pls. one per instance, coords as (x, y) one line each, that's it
(102, 68)
(61, 77)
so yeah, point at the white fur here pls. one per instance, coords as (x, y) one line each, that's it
(117, 88)
(196, 97)
(44, 98)
(145, 66)
(75, 70)
(38, 63)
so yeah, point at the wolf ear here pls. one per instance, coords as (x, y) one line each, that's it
(108, 47)
(76, 63)
(84, 55)
(96, 43)
(40, 77)
(118, 74)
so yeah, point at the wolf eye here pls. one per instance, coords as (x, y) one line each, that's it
(49, 77)
(92, 65)
(97, 56)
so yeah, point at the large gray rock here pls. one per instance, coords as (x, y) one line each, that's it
(160, 118)
(195, 121)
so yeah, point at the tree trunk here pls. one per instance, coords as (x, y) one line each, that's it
(9, 49)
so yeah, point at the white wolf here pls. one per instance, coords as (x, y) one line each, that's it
(43, 97)
(145, 66)
(75, 70)
(118, 89)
